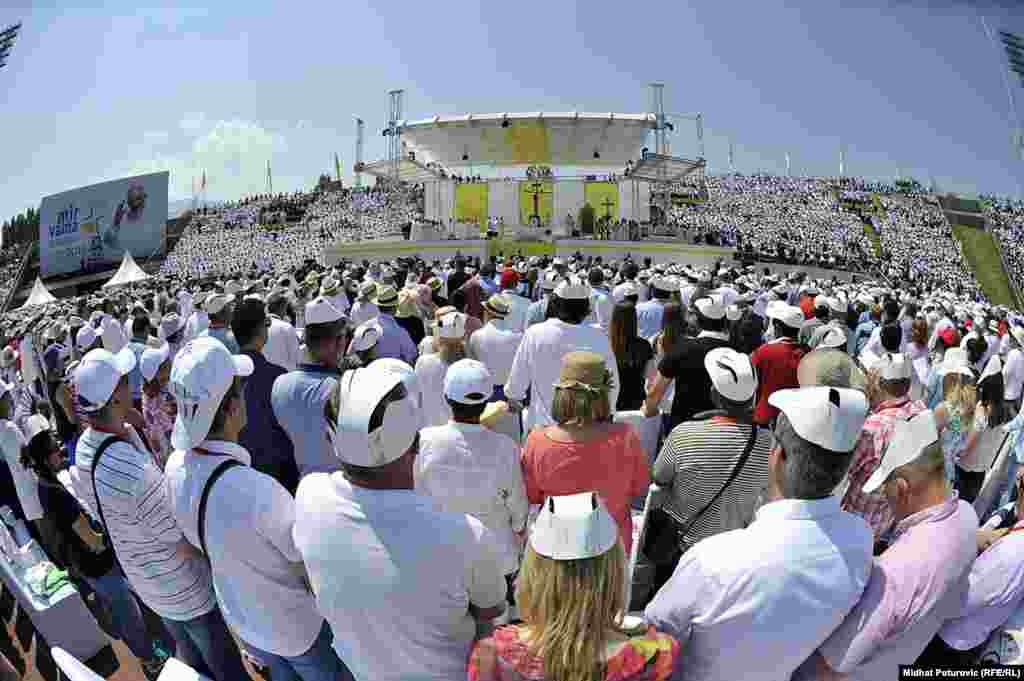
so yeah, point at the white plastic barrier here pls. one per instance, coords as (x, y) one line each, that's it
(175, 670)
(73, 668)
(994, 479)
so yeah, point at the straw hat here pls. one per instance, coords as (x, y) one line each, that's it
(584, 370)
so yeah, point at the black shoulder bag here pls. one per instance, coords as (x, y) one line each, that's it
(99, 507)
(663, 533)
(220, 470)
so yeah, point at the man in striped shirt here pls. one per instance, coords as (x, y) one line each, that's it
(129, 497)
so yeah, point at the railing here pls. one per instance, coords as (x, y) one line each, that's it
(17, 279)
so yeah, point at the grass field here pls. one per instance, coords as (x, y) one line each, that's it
(527, 248)
(983, 257)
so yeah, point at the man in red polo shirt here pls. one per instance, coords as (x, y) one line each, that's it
(777, 360)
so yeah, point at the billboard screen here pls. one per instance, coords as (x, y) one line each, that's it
(90, 228)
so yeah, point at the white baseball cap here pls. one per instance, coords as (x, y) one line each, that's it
(366, 336)
(451, 325)
(834, 339)
(152, 360)
(550, 280)
(572, 288)
(733, 313)
(790, 315)
(37, 423)
(98, 374)
(202, 373)
(710, 307)
(894, 366)
(322, 311)
(909, 438)
(217, 302)
(831, 418)
(731, 373)
(573, 527)
(405, 372)
(86, 336)
(624, 290)
(361, 393)
(468, 382)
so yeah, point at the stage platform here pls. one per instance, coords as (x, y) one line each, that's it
(658, 252)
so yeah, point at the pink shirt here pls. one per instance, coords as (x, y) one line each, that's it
(874, 438)
(614, 466)
(917, 584)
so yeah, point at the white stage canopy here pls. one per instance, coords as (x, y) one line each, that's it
(128, 273)
(519, 139)
(40, 295)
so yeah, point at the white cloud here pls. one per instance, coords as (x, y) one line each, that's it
(233, 153)
(192, 122)
(156, 136)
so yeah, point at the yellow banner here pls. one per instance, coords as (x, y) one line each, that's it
(603, 197)
(471, 203)
(536, 199)
(528, 141)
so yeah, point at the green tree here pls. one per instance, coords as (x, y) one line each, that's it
(585, 219)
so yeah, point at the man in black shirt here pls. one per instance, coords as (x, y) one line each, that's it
(457, 278)
(685, 365)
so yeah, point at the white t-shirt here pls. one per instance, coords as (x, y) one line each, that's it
(282, 347)
(395, 577)
(430, 371)
(261, 559)
(467, 468)
(1013, 374)
(495, 345)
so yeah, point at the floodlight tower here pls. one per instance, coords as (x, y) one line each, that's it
(7, 38)
(1013, 46)
(359, 151)
(394, 133)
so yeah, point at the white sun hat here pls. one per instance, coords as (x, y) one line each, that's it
(956, 361)
(322, 311)
(624, 290)
(572, 288)
(710, 307)
(405, 372)
(361, 393)
(98, 375)
(451, 325)
(731, 373)
(894, 366)
(202, 374)
(831, 418)
(790, 315)
(152, 359)
(573, 527)
(366, 336)
(909, 438)
(834, 339)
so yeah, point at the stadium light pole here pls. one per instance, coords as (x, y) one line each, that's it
(7, 38)
(1012, 45)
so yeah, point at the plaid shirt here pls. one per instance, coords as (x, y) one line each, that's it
(867, 456)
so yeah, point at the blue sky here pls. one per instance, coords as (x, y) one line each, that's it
(90, 95)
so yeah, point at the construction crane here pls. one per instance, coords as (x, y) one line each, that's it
(7, 38)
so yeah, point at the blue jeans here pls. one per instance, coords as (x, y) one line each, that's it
(125, 615)
(206, 645)
(319, 663)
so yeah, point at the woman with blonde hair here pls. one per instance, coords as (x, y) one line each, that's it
(584, 450)
(954, 416)
(918, 345)
(570, 593)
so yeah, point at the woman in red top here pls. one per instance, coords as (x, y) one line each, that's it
(584, 450)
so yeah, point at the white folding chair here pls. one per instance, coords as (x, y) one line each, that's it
(72, 667)
(654, 499)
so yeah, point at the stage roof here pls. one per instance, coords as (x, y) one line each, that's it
(659, 168)
(552, 139)
(408, 171)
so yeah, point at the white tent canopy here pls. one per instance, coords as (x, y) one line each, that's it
(128, 273)
(39, 295)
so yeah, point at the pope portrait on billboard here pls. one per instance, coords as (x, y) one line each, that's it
(128, 211)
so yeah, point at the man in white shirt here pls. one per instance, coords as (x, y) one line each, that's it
(467, 468)
(282, 347)
(539, 359)
(330, 288)
(403, 585)
(538, 310)
(116, 477)
(649, 313)
(198, 321)
(1013, 369)
(518, 306)
(740, 606)
(601, 305)
(496, 344)
(214, 492)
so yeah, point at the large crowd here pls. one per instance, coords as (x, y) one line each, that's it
(10, 264)
(442, 470)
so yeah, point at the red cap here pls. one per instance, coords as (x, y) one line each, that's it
(950, 337)
(509, 279)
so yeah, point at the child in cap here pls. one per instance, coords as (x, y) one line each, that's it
(158, 408)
